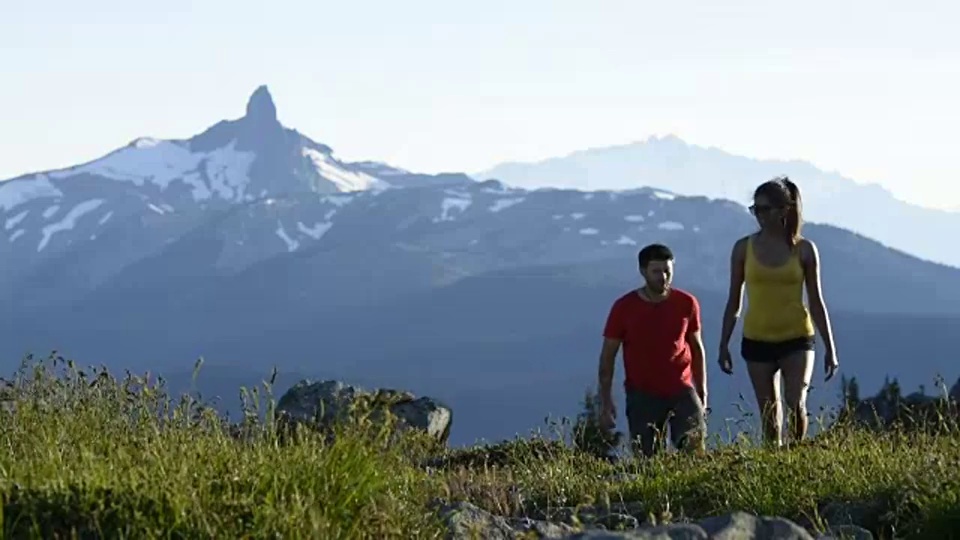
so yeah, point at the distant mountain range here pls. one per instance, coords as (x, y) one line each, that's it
(253, 246)
(686, 169)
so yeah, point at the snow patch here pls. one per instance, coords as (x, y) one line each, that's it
(577, 215)
(317, 231)
(650, 213)
(16, 192)
(227, 170)
(146, 142)
(633, 218)
(625, 240)
(663, 195)
(339, 200)
(49, 212)
(696, 229)
(558, 216)
(162, 162)
(670, 226)
(16, 234)
(503, 204)
(290, 242)
(156, 209)
(449, 204)
(329, 215)
(587, 196)
(589, 231)
(12, 222)
(497, 191)
(106, 217)
(69, 221)
(345, 180)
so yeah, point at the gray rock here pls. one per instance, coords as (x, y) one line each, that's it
(325, 402)
(838, 514)
(847, 532)
(541, 529)
(618, 522)
(744, 526)
(680, 531)
(466, 521)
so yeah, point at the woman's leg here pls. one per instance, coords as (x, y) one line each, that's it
(766, 386)
(797, 371)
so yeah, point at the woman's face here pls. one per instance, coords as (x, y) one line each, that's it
(767, 214)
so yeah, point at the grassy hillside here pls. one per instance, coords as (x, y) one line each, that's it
(86, 454)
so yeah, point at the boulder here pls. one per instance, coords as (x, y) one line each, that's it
(744, 526)
(323, 403)
(466, 520)
(677, 531)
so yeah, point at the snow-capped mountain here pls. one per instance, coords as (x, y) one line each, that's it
(135, 200)
(670, 163)
(253, 246)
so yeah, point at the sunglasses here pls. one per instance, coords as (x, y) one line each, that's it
(757, 209)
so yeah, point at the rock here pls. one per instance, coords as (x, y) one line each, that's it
(840, 514)
(465, 520)
(679, 531)
(744, 526)
(541, 529)
(618, 522)
(847, 532)
(320, 404)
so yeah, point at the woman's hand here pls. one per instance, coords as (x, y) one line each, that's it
(725, 361)
(830, 364)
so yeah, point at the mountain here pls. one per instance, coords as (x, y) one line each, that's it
(670, 163)
(235, 245)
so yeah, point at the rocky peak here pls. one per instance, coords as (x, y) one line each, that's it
(260, 107)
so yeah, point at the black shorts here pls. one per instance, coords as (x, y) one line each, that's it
(773, 351)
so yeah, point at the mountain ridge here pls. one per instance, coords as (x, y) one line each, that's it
(670, 163)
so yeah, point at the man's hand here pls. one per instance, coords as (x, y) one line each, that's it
(725, 361)
(608, 414)
(830, 364)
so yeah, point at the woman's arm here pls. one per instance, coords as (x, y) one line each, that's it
(735, 296)
(818, 308)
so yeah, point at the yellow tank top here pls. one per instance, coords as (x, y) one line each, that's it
(775, 308)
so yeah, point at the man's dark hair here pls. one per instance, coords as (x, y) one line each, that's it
(654, 252)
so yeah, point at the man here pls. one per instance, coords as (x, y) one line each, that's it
(663, 358)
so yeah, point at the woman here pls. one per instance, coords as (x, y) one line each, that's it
(778, 334)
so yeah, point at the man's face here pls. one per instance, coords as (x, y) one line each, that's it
(658, 275)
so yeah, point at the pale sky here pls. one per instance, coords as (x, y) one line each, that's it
(869, 89)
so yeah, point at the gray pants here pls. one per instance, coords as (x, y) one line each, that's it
(648, 417)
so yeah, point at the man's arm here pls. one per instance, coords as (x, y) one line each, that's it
(699, 365)
(608, 358)
(699, 361)
(613, 334)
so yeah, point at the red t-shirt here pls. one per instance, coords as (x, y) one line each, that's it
(656, 355)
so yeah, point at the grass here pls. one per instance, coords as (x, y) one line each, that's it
(86, 455)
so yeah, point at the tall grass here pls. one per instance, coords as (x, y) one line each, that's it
(84, 454)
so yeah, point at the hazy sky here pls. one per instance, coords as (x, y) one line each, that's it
(869, 89)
